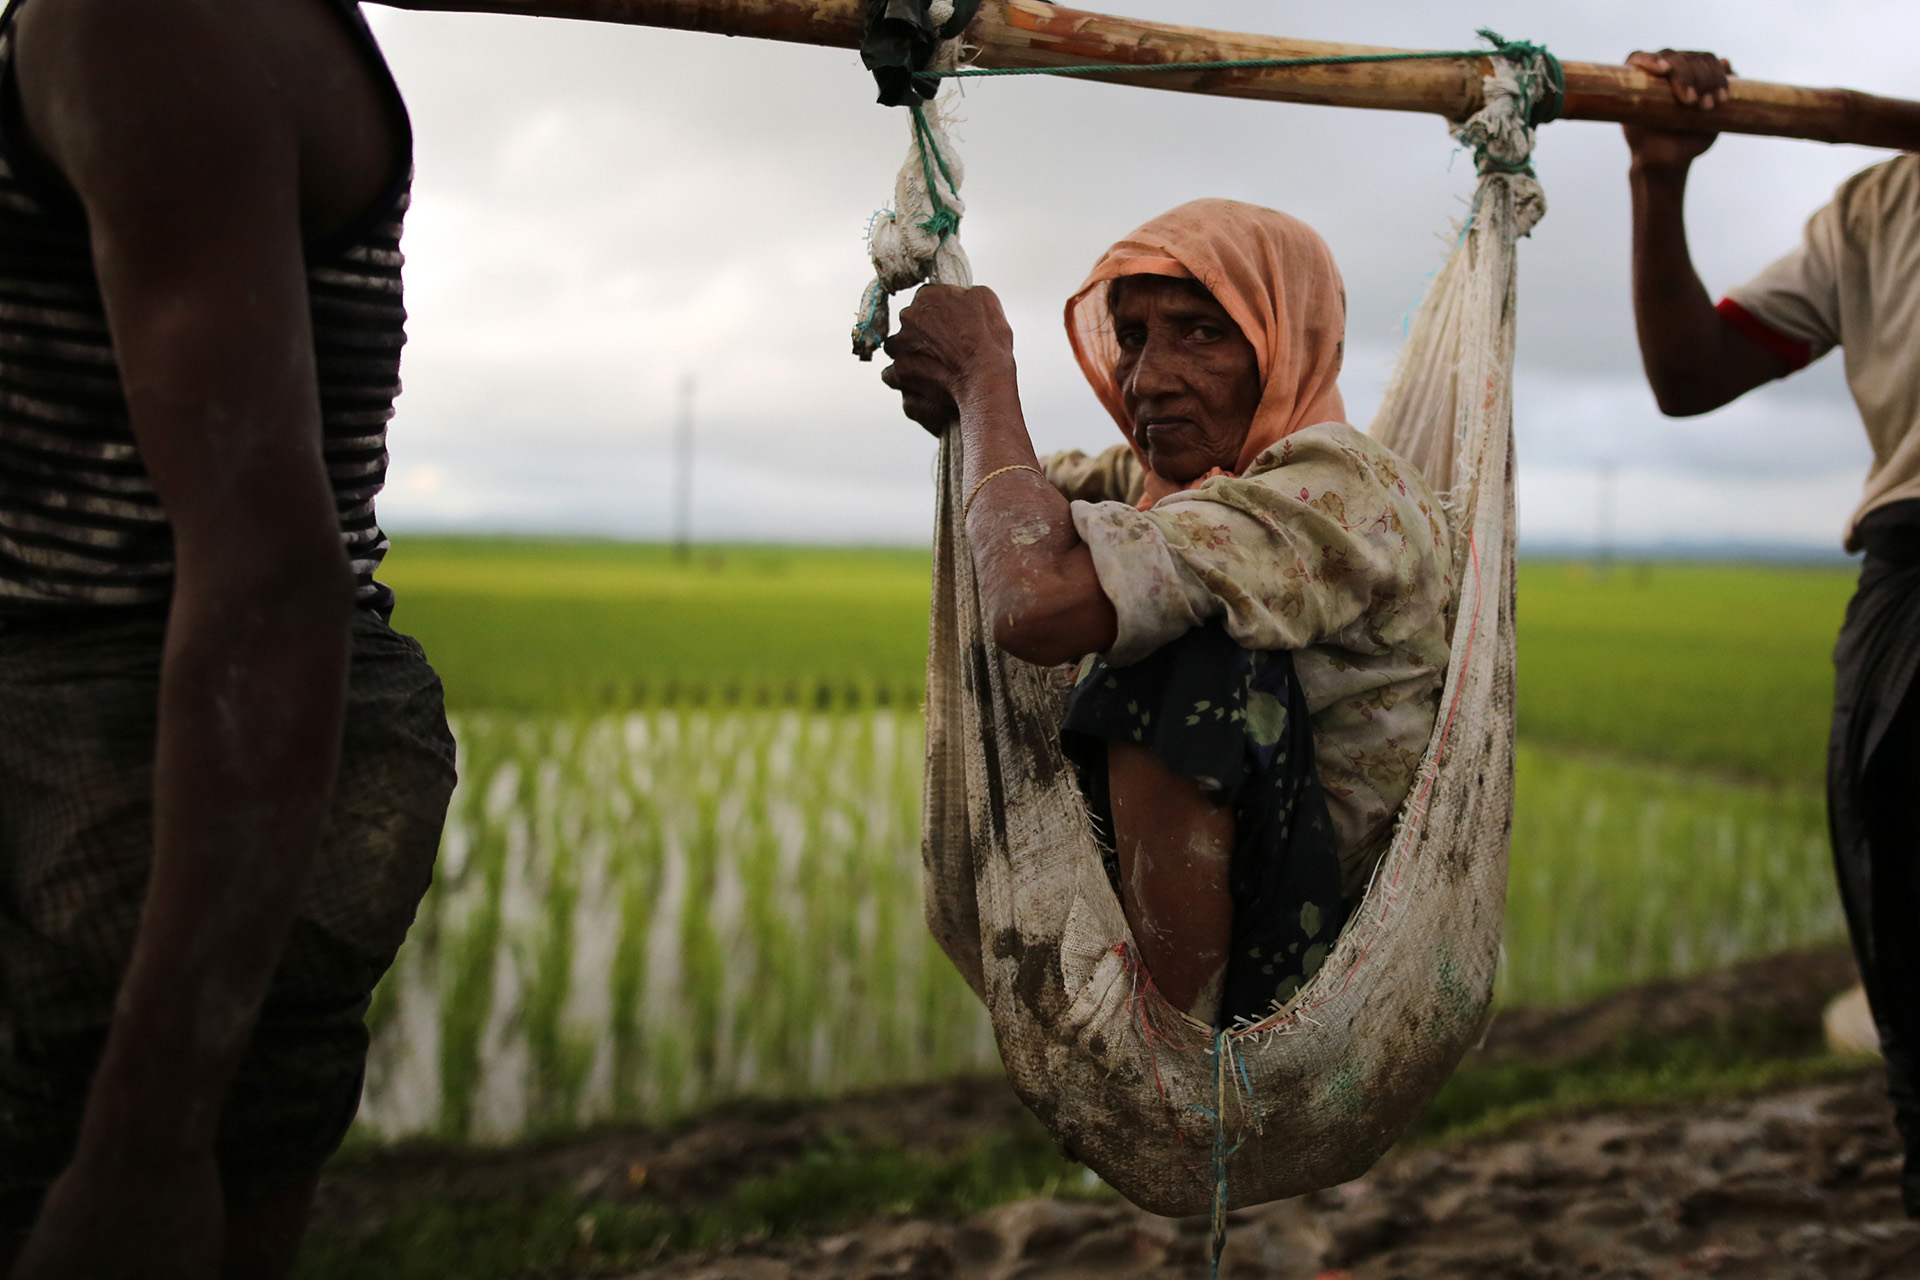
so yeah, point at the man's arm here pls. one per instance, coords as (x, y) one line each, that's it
(1694, 360)
(187, 157)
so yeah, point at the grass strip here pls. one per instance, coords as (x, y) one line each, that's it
(551, 1234)
(1718, 667)
(1483, 1101)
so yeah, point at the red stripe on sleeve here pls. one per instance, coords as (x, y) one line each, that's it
(1763, 335)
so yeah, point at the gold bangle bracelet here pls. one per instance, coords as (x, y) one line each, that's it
(966, 508)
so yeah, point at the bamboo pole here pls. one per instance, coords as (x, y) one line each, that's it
(1031, 33)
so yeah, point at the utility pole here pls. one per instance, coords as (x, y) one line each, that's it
(1604, 542)
(683, 474)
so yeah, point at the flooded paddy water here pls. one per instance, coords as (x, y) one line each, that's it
(640, 915)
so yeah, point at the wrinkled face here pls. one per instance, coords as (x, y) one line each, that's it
(1188, 377)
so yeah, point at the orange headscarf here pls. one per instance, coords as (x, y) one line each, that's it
(1272, 273)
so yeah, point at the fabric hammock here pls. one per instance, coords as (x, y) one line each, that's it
(1176, 1116)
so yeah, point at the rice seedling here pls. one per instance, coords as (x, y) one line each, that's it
(644, 914)
(1627, 872)
(682, 864)
(536, 626)
(1716, 667)
(640, 915)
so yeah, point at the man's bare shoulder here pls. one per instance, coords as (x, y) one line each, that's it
(142, 104)
(268, 56)
(113, 29)
(95, 72)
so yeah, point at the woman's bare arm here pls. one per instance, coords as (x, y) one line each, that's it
(953, 356)
(953, 359)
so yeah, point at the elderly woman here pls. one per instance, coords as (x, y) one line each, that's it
(1255, 591)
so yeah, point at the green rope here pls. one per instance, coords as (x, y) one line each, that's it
(1540, 77)
(1542, 81)
(1546, 88)
(1520, 52)
(944, 221)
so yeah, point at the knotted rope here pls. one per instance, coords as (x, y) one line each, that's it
(918, 239)
(1501, 133)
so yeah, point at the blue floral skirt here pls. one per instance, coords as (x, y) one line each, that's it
(1235, 720)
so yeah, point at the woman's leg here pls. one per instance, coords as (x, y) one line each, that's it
(1197, 767)
(1175, 843)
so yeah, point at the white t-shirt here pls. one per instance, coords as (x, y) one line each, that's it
(1854, 283)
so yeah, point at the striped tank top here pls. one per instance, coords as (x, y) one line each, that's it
(80, 525)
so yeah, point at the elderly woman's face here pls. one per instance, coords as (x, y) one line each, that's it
(1189, 379)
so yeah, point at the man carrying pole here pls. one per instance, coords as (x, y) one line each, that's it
(222, 776)
(1853, 283)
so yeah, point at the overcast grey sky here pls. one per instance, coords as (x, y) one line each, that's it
(602, 210)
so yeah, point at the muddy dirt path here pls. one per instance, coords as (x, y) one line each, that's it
(1795, 1183)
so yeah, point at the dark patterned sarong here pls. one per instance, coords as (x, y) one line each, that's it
(1236, 720)
(78, 712)
(1873, 800)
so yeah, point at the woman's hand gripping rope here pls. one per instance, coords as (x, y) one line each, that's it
(947, 337)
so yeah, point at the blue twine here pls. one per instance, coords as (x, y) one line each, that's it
(1222, 1053)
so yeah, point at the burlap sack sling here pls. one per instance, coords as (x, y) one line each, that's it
(1175, 1117)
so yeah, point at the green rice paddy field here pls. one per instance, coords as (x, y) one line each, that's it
(682, 864)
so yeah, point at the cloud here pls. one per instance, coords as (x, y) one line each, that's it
(1635, 507)
(602, 211)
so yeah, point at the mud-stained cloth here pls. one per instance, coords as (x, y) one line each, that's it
(1177, 1116)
